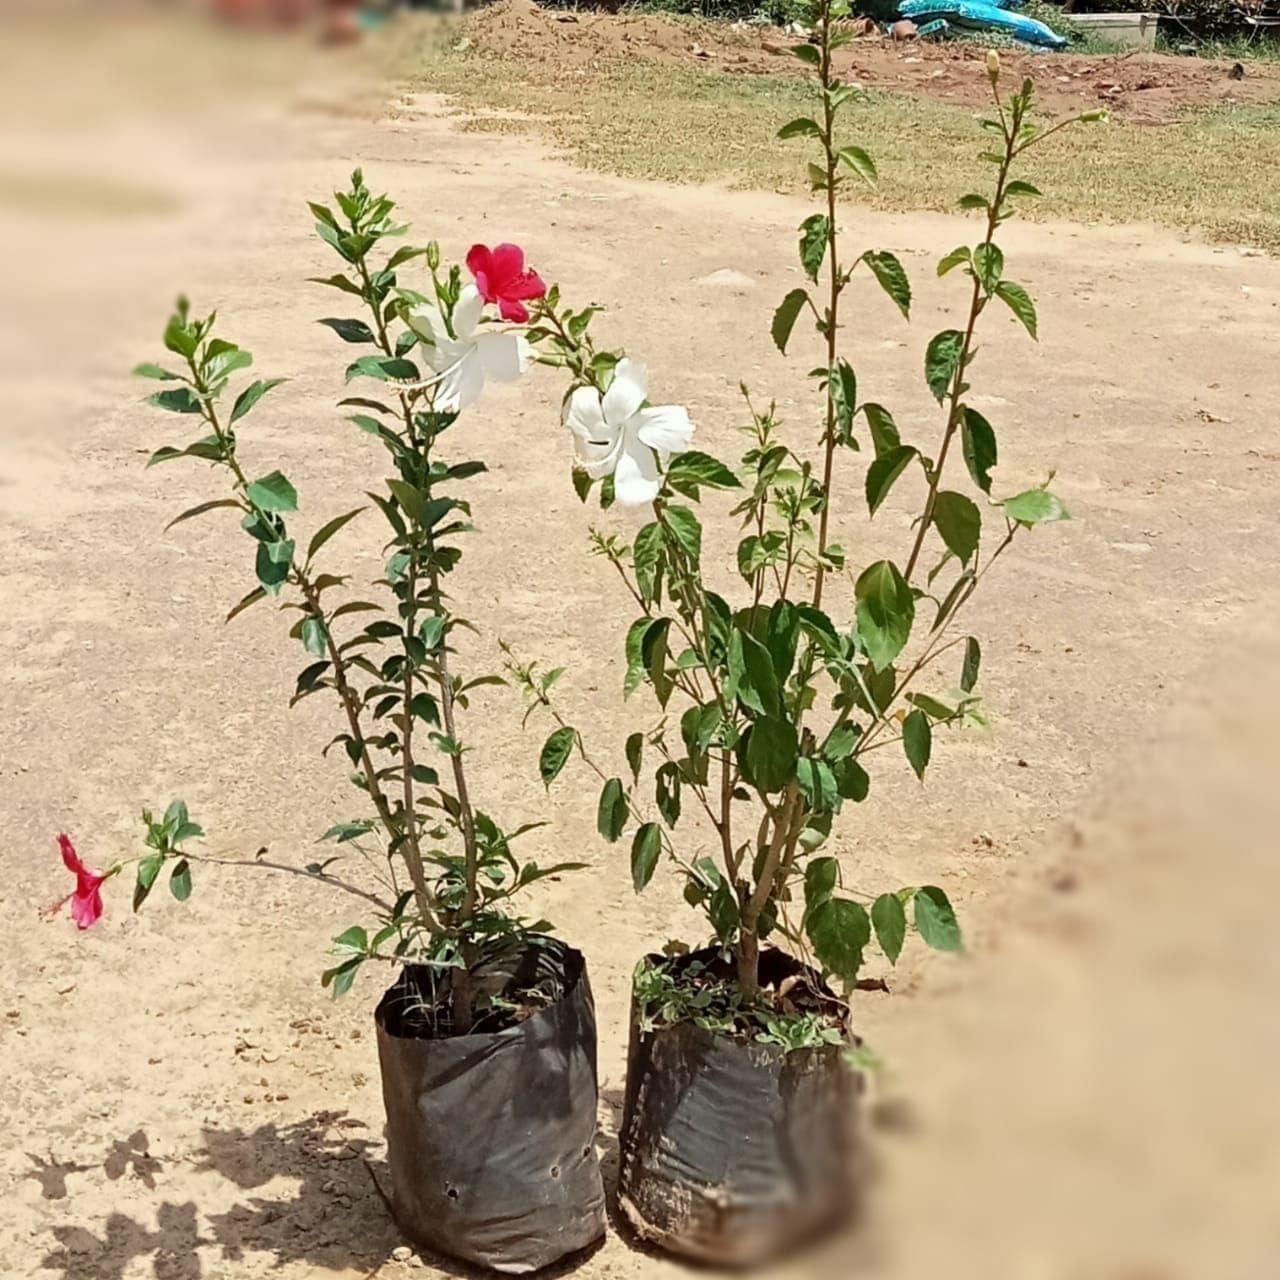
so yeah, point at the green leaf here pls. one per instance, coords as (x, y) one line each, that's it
(974, 201)
(251, 395)
(646, 560)
(223, 358)
(893, 279)
(814, 231)
(345, 831)
(800, 128)
(349, 330)
(843, 383)
(612, 811)
(273, 493)
(252, 598)
(917, 741)
(176, 400)
(645, 848)
(315, 636)
(886, 610)
(978, 441)
(338, 282)
(405, 253)
(820, 878)
(972, 661)
(936, 921)
(852, 781)
(784, 319)
(180, 881)
(273, 563)
(839, 931)
(817, 784)
(959, 523)
(653, 657)
(634, 752)
(883, 472)
(384, 368)
(156, 372)
(555, 753)
(410, 499)
(582, 483)
(148, 869)
(191, 512)
(960, 256)
(772, 752)
(327, 530)
(178, 338)
(353, 939)
(1019, 188)
(667, 792)
(890, 921)
(635, 655)
(807, 53)
(341, 976)
(694, 468)
(1035, 506)
(686, 530)
(884, 431)
(754, 678)
(1019, 302)
(860, 162)
(941, 360)
(988, 265)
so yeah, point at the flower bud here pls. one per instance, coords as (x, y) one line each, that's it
(1099, 115)
(433, 255)
(993, 66)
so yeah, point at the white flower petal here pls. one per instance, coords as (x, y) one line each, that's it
(461, 384)
(467, 312)
(595, 444)
(503, 356)
(665, 427)
(626, 392)
(636, 478)
(584, 416)
(427, 322)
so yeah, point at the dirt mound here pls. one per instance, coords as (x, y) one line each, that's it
(1142, 88)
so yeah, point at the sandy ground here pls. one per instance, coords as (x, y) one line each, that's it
(1087, 1093)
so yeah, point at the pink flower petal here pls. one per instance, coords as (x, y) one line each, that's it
(86, 908)
(70, 859)
(507, 264)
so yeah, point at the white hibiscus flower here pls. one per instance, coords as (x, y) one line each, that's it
(465, 362)
(618, 434)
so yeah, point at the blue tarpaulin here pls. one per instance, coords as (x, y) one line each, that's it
(979, 16)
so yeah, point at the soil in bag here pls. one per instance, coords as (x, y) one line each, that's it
(734, 1151)
(490, 1135)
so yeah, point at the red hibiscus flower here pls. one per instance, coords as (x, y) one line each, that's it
(501, 277)
(86, 899)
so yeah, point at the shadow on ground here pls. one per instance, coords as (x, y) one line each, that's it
(333, 1216)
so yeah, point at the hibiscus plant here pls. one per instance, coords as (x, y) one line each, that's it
(772, 702)
(445, 865)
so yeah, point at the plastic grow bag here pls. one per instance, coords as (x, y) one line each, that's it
(490, 1136)
(984, 17)
(734, 1152)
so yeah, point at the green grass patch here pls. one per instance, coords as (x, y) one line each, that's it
(1212, 171)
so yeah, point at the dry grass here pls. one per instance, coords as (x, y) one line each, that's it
(1212, 171)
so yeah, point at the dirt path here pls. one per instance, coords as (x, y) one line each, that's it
(1083, 1095)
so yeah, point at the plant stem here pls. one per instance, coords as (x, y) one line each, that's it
(833, 305)
(955, 408)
